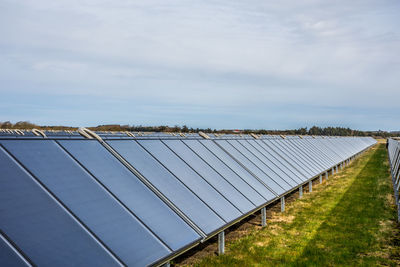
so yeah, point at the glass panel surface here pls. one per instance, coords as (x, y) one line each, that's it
(166, 183)
(9, 257)
(266, 165)
(210, 175)
(278, 167)
(86, 198)
(295, 154)
(192, 180)
(251, 166)
(150, 209)
(237, 168)
(286, 161)
(282, 151)
(39, 226)
(226, 172)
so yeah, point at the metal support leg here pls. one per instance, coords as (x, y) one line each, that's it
(333, 170)
(167, 264)
(283, 204)
(300, 191)
(337, 169)
(320, 178)
(341, 166)
(326, 176)
(310, 186)
(264, 217)
(221, 243)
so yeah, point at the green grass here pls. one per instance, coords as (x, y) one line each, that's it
(347, 221)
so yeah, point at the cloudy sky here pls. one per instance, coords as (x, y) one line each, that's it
(218, 64)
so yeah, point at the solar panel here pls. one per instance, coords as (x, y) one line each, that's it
(40, 226)
(89, 201)
(294, 160)
(169, 227)
(239, 169)
(270, 162)
(253, 168)
(9, 256)
(169, 185)
(210, 175)
(141, 200)
(214, 162)
(264, 163)
(282, 159)
(192, 180)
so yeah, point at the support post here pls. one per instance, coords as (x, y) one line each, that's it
(283, 204)
(264, 217)
(320, 178)
(167, 264)
(300, 191)
(333, 171)
(221, 243)
(326, 176)
(310, 186)
(337, 169)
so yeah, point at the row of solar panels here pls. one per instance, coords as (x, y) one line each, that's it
(24, 134)
(394, 160)
(142, 202)
(16, 133)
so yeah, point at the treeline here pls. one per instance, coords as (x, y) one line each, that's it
(26, 125)
(315, 130)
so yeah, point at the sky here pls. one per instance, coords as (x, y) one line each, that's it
(218, 64)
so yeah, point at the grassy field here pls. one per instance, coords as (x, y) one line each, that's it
(349, 220)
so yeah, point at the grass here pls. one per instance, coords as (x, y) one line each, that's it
(349, 220)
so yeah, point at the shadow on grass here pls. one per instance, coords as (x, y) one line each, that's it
(348, 235)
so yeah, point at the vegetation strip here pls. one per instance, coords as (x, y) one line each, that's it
(348, 220)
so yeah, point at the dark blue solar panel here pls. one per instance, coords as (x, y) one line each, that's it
(209, 174)
(164, 222)
(9, 256)
(306, 165)
(236, 167)
(295, 162)
(118, 229)
(264, 164)
(277, 160)
(191, 179)
(39, 226)
(308, 150)
(270, 162)
(251, 167)
(310, 163)
(226, 172)
(166, 183)
(281, 156)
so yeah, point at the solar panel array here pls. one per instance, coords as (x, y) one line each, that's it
(66, 200)
(394, 160)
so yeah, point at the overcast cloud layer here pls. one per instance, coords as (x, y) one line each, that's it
(219, 64)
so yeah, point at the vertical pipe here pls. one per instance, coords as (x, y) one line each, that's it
(221, 243)
(310, 186)
(283, 204)
(333, 171)
(264, 217)
(300, 191)
(320, 178)
(326, 176)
